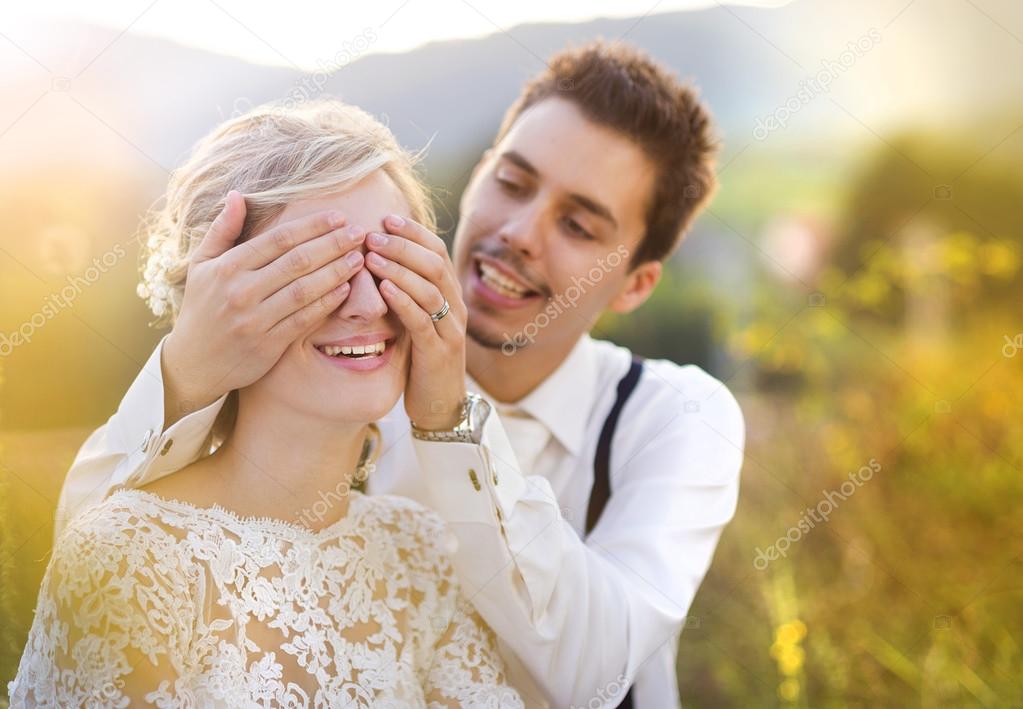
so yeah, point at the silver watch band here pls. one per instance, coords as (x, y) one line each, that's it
(475, 410)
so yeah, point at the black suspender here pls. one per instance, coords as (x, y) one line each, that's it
(602, 462)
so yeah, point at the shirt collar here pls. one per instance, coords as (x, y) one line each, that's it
(574, 380)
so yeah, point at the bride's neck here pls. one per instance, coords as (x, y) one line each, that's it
(291, 467)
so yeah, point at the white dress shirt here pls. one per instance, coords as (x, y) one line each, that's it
(577, 619)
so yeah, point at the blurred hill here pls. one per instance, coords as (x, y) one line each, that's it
(747, 61)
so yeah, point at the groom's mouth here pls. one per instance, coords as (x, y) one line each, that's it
(498, 285)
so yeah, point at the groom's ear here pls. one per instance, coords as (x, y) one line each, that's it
(638, 286)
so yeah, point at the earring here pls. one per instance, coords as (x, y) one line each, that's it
(368, 456)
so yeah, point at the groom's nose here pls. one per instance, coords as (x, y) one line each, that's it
(364, 303)
(523, 231)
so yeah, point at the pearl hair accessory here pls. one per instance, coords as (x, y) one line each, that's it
(155, 287)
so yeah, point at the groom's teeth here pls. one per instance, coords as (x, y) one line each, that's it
(501, 283)
(373, 350)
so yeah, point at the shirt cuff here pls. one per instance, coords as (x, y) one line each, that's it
(138, 427)
(469, 482)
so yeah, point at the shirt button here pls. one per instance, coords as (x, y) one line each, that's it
(475, 480)
(167, 446)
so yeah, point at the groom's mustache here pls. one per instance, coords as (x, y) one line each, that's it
(515, 263)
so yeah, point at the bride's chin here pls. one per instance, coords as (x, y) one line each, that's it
(356, 410)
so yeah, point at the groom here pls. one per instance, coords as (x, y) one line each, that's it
(587, 499)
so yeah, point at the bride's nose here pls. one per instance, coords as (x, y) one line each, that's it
(364, 303)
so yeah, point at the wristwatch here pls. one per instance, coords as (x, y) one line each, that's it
(469, 429)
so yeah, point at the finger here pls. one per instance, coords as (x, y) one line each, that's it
(305, 290)
(414, 318)
(225, 230)
(272, 243)
(429, 264)
(300, 321)
(306, 258)
(425, 294)
(414, 231)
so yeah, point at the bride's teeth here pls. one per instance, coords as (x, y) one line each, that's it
(354, 350)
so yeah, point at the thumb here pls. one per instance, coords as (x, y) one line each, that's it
(225, 230)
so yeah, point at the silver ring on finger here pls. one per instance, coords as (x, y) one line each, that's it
(439, 315)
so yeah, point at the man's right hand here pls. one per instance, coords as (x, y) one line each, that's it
(244, 304)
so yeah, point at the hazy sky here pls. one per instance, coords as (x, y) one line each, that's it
(317, 32)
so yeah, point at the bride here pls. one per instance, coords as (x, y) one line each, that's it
(202, 589)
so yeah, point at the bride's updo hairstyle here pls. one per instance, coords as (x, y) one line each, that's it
(273, 155)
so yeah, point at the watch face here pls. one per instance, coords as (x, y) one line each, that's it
(478, 414)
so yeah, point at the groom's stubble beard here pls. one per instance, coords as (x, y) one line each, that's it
(487, 338)
(482, 338)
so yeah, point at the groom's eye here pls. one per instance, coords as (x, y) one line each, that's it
(508, 181)
(576, 229)
(508, 185)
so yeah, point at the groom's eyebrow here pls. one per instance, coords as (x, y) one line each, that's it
(590, 205)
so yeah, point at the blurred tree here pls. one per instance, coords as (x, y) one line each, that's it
(681, 321)
(920, 188)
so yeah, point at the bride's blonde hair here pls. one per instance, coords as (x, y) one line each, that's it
(273, 155)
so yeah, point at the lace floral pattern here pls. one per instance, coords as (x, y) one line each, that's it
(149, 601)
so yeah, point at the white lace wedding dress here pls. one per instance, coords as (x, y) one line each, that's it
(149, 601)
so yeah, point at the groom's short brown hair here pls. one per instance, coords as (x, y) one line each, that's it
(619, 86)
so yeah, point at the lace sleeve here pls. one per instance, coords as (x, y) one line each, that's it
(111, 623)
(467, 670)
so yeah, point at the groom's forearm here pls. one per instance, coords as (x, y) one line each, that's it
(183, 392)
(135, 446)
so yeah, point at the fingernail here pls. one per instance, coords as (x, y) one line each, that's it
(354, 258)
(336, 219)
(375, 259)
(356, 235)
(377, 239)
(395, 221)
